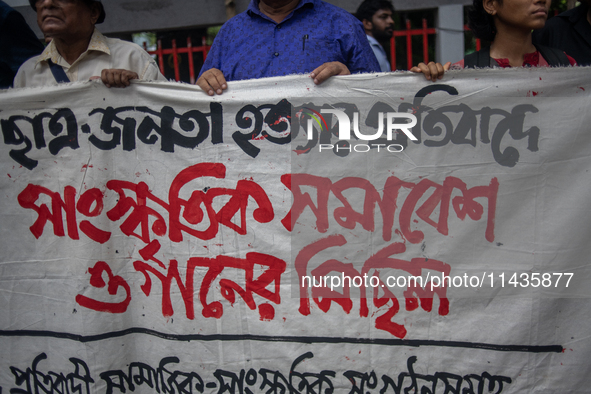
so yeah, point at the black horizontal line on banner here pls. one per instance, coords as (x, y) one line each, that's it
(292, 339)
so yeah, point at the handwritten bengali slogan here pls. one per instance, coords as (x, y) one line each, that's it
(285, 237)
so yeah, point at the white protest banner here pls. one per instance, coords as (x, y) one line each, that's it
(376, 234)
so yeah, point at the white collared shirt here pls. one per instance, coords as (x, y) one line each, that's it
(102, 53)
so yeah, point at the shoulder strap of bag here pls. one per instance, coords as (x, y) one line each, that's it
(479, 59)
(58, 72)
(554, 57)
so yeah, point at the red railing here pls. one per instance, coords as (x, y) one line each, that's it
(175, 51)
(408, 32)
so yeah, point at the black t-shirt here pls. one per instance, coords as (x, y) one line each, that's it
(569, 32)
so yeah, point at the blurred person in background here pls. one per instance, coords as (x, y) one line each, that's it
(570, 32)
(376, 16)
(18, 43)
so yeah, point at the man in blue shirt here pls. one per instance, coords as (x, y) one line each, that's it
(282, 37)
(376, 16)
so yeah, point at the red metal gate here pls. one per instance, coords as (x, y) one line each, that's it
(176, 51)
(408, 32)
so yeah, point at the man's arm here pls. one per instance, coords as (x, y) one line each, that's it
(357, 51)
(152, 72)
(359, 55)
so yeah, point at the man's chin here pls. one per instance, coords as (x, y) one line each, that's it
(383, 36)
(51, 29)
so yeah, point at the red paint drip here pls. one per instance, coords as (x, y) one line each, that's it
(302, 151)
(266, 312)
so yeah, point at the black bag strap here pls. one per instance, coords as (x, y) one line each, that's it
(554, 57)
(58, 72)
(478, 59)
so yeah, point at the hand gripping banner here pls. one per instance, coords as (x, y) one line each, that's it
(375, 234)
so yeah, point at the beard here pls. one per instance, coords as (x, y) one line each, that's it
(382, 35)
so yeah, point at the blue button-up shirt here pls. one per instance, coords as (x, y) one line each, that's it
(380, 53)
(252, 45)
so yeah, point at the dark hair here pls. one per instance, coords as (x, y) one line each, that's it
(481, 22)
(368, 8)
